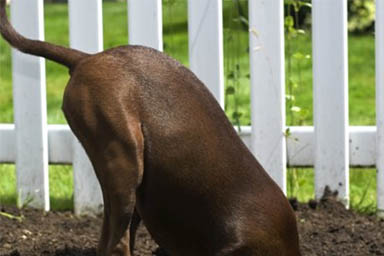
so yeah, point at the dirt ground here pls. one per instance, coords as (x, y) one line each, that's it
(325, 227)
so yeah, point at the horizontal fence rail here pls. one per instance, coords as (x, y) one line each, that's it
(300, 145)
(331, 145)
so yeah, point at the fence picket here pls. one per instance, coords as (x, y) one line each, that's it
(146, 29)
(266, 44)
(205, 30)
(86, 34)
(30, 109)
(330, 82)
(380, 105)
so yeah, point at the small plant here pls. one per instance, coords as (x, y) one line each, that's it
(295, 114)
(293, 55)
(27, 201)
(234, 84)
(13, 217)
(238, 24)
(365, 204)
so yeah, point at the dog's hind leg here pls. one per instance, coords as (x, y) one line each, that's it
(118, 163)
(120, 176)
(112, 137)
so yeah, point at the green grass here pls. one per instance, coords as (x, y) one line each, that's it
(60, 185)
(362, 182)
(361, 91)
(363, 190)
(7, 184)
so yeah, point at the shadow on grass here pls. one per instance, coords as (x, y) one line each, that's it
(61, 204)
(8, 200)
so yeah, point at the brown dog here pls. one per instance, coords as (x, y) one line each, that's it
(160, 144)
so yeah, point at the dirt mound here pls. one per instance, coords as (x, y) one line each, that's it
(325, 227)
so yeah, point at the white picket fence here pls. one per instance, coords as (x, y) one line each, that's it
(331, 146)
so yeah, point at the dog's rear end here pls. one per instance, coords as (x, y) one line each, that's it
(160, 144)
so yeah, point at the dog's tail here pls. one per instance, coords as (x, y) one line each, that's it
(65, 56)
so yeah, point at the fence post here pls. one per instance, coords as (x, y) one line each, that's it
(145, 29)
(380, 105)
(86, 34)
(30, 109)
(266, 46)
(330, 83)
(205, 31)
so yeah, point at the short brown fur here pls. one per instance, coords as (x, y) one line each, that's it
(164, 152)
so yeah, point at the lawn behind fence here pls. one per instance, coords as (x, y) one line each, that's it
(300, 181)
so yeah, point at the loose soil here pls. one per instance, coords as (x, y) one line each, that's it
(325, 227)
